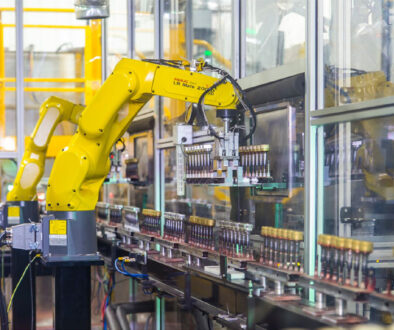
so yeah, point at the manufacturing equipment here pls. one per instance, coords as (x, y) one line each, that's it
(265, 264)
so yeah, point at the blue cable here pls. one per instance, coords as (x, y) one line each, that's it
(123, 271)
(133, 275)
(117, 268)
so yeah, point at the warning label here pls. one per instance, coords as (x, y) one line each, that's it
(58, 232)
(13, 211)
(57, 227)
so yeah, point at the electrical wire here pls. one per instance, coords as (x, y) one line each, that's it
(133, 275)
(31, 293)
(20, 280)
(123, 271)
(240, 94)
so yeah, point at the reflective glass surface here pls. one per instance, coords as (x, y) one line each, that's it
(357, 51)
(62, 58)
(356, 194)
(358, 176)
(8, 169)
(212, 32)
(275, 33)
(117, 33)
(7, 75)
(144, 29)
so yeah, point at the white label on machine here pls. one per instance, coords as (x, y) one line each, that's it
(59, 240)
(180, 171)
(58, 232)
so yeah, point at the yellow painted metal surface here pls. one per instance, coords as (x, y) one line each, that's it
(79, 170)
(92, 69)
(2, 84)
(48, 26)
(50, 10)
(34, 155)
(38, 80)
(48, 89)
(92, 59)
(56, 144)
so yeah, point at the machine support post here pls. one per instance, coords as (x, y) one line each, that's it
(72, 297)
(160, 312)
(187, 292)
(132, 295)
(251, 309)
(23, 306)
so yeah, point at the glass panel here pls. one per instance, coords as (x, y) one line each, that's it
(8, 169)
(212, 39)
(275, 33)
(140, 147)
(144, 29)
(62, 58)
(145, 36)
(174, 44)
(7, 76)
(280, 201)
(357, 51)
(358, 189)
(203, 201)
(117, 33)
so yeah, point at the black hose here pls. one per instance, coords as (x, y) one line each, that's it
(201, 110)
(243, 99)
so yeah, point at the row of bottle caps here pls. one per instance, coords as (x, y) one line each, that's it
(243, 149)
(343, 243)
(281, 233)
(255, 148)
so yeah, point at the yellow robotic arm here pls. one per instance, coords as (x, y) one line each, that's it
(53, 111)
(80, 169)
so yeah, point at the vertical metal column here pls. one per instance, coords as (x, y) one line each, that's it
(310, 139)
(189, 30)
(239, 38)
(159, 154)
(72, 298)
(130, 29)
(104, 50)
(386, 57)
(23, 310)
(20, 106)
(319, 220)
(251, 303)
(24, 305)
(158, 130)
(132, 294)
(160, 313)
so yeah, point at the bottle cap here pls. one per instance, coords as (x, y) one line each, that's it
(286, 234)
(298, 236)
(328, 240)
(366, 247)
(320, 239)
(340, 243)
(356, 245)
(265, 147)
(348, 243)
